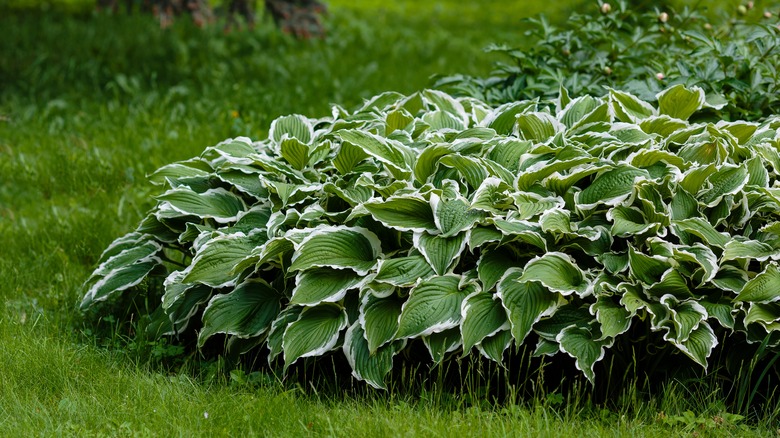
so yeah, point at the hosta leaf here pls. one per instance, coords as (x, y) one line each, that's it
(217, 204)
(493, 347)
(233, 150)
(403, 271)
(763, 288)
(123, 243)
(538, 172)
(440, 252)
(749, 249)
(118, 280)
(726, 181)
(558, 272)
(368, 365)
(315, 332)
(376, 146)
(293, 126)
(523, 230)
(492, 196)
(433, 306)
(452, 216)
(613, 317)
(319, 285)
(439, 120)
(428, 160)
(473, 171)
(742, 131)
(295, 152)
(291, 194)
(730, 278)
(538, 126)
(662, 125)
(680, 102)
(287, 316)
(249, 183)
(504, 118)
(628, 221)
(493, 264)
(272, 251)
(185, 169)
(352, 248)
(645, 158)
(721, 310)
(671, 283)
(764, 314)
(613, 262)
(610, 187)
(577, 109)
(683, 205)
(703, 229)
(348, 157)
(633, 299)
(245, 312)
(525, 303)
(581, 344)
(379, 318)
(629, 134)
(483, 316)
(383, 100)
(353, 195)
(128, 256)
(530, 204)
(404, 213)
(685, 316)
(556, 222)
(253, 220)
(699, 344)
(694, 178)
(507, 152)
(757, 173)
(445, 102)
(397, 120)
(645, 268)
(439, 344)
(214, 264)
(630, 108)
(546, 347)
(482, 235)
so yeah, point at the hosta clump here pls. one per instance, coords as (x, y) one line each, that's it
(445, 222)
(641, 52)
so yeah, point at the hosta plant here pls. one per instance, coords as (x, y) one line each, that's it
(444, 222)
(733, 60)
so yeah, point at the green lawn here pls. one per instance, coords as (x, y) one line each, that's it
(90, 105)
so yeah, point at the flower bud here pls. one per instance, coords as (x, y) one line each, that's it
(767, 14)
(750, 5)
(741, 10)
(607, 71)
(708, 26)
(606, 8)
(660, 76)
(663, 17)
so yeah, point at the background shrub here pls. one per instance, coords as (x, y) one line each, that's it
(731, 56)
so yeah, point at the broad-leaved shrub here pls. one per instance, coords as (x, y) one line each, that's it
(734, 62)
(442, 221)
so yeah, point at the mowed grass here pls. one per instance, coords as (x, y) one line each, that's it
(89, 105)
(52, 387)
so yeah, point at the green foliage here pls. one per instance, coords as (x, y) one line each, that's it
(642, 52)
(585, 219)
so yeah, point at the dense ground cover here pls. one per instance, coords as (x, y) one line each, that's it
(80, 127)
